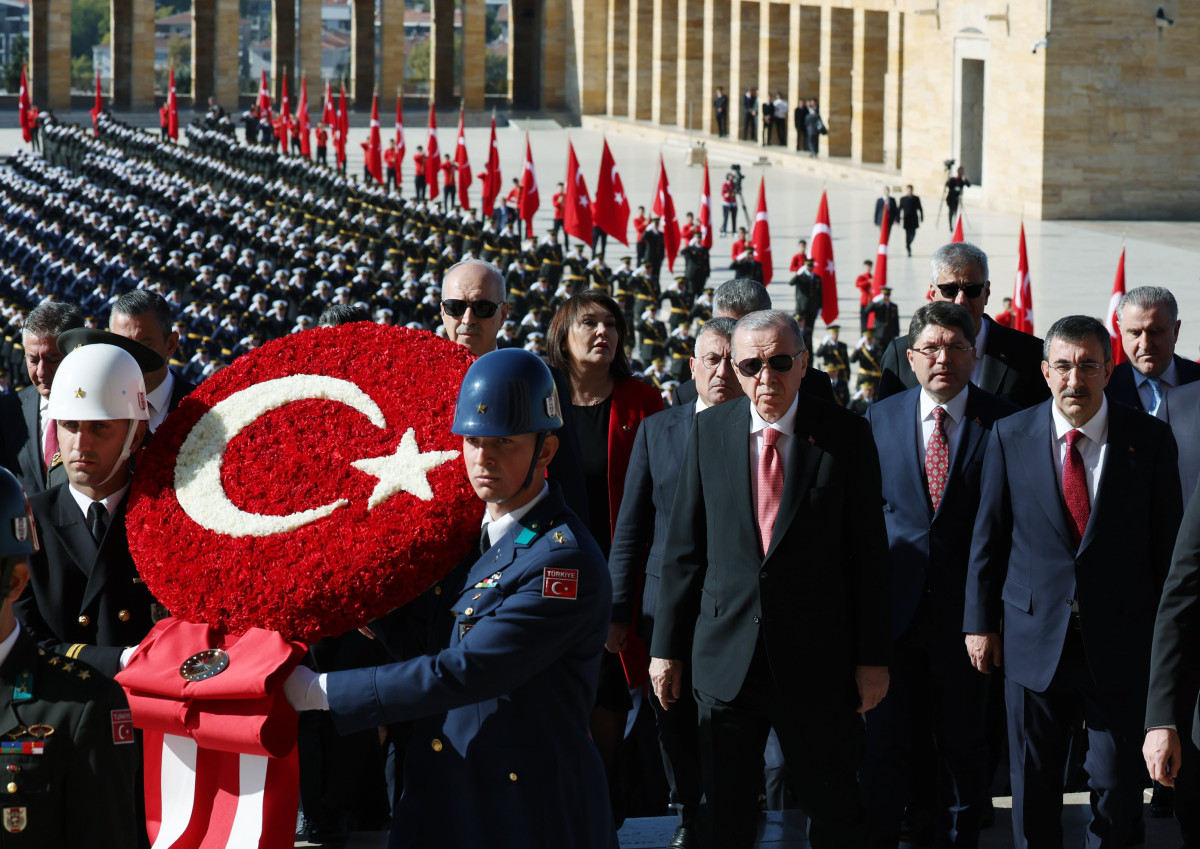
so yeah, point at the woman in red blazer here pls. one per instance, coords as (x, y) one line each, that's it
(586, 340)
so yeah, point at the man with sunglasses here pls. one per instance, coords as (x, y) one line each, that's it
(1068, 567)
(1007, 362)
(775, 589)
(473, 311)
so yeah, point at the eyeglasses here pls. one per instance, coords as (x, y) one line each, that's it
(933, 351)
(1088, 368)
(457, 309)
(712, 362)
(950, 291)
(779, 363)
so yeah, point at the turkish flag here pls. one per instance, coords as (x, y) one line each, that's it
(1022, 294)
(879, 280)
(1114, 329)
(264, 94)
(820, 246)
(302, 120)
(374, 154)
(172, 108)
(285, 115)
(328, 114)
(611, 212)
(958, 231)
(399, 138)
(706, 212)
(343, 127)
(463, 165)
(529, 190)
(577, 217)
(491, 174)
(24, 105)
(432, 160)
(664, 208)
(97, 107)
(760, 237)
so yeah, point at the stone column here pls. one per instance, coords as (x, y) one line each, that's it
(283, 54)
(690, 102)
(589, 25)
(441, 53)
(362, 52)
(224, 49)
(641, 49)
(204, 48)
(804, 69)
(131, 45)
(870, 70)
(893, 103)
(774, 25)
(743, 61)
(553, 52)
(663, 62)
(716, 63)
(50, 54)
(837, 67)
(474, 46)
(618, 58)
(308, 41)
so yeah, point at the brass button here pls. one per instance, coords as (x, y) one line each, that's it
(85, 620)
(512, 776)
(436, 745)
(123, 615)
(469, 611)
(12, 787)
(437, 590)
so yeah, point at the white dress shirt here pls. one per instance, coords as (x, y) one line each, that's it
(110, 504)
(1092, 449)
(955, 408)
(786, 426)
(159, 400)
(498, 528)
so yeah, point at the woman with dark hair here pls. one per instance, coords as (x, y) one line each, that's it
(587, 341)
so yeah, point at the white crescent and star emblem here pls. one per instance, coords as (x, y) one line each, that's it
(198, 484)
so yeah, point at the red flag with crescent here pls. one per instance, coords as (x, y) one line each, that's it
(820, 245)
(172, 108)
(1022, 290)
(664, 208)
(706, 238)
(491, 174)
(879, 280)
(433, 162)
(611, 210)
(577, 217)
(399, 138)
(760, 237)
(24, 107)
(1114, 328)
(529, 189)
(462, 164)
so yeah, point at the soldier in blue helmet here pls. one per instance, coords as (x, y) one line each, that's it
(506, 663)
(67, 752)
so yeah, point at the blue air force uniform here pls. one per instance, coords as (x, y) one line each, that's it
(500, 752)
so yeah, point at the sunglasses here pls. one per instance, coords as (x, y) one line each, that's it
(950, 291)
(779, 363)
(457, 309)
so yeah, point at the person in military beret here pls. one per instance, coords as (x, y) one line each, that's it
(500, 688)
(68, 760)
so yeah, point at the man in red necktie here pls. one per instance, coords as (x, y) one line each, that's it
(1079, 510)
(775, 590)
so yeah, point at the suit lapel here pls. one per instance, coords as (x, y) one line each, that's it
(33, 445)
(908, 434)
(72, 530)
(995, 369)
(737, 459)
(970, 440)
(798, 475)
(1114, 476)
(1037, 458)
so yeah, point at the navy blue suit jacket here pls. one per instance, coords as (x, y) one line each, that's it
(641, 533)
(929, 551)
(1183, 412)
(500, 753)
(1122, 387)
(1025, 568)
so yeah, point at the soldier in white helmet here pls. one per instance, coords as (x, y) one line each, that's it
(85, 600)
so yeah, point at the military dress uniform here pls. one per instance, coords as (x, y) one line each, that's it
(500, 753)
(67, 754)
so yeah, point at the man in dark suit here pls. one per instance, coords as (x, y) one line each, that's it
(721, 111)
(911, 216)
(1007, 362)
(1183, 414)
(886, 201)
(85, 600)
(775, 591)
(1071, 570)
(1149, 320)
(144, 316)
(931, 495)
(637, 551)
(883, 316)
(37, 444)
(750, 115)
(807, 284)
(1172, 745)
(734, 299)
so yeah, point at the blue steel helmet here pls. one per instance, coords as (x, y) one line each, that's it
(507, 392)
(18, 535)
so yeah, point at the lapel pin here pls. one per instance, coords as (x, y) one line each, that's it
(812, 442)
(978, 421)
(625, 427)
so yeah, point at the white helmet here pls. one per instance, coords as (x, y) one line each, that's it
(98, 382)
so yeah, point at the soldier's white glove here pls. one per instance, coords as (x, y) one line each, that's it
(305, 690)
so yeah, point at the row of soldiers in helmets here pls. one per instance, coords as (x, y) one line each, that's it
(210, 253)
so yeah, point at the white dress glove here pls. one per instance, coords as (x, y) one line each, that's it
(305, 690)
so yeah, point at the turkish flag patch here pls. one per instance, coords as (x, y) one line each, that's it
(122, 725)
(560, 583)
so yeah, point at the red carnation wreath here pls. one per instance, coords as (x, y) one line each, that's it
(310, 487)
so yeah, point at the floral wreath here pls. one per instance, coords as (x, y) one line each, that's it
(309, 487)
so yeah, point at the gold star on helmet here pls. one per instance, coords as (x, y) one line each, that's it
(79, 393)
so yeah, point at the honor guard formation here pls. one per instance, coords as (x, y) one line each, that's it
(712, 576)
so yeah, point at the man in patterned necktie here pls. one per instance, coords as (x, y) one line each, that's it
(934, 438)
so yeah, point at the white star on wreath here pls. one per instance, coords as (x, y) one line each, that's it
(408, 470)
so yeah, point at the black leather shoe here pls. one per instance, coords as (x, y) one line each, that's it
(681, 839)
(1162, 802)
